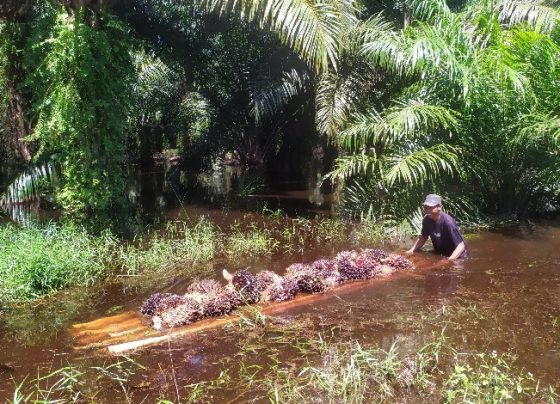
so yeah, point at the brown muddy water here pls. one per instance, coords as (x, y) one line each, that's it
(504, 298)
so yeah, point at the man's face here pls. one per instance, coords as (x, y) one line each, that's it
(432, 211)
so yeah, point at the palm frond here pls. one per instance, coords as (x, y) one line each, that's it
(363, 131)
(433, 11)
(422, 164)
(405, 120)
(536, 13)
(539, 129)
(346, 167)
(153, 76)
(337, 97)
(27, 186)
(385, 47)
(311, 28)
(268, 98)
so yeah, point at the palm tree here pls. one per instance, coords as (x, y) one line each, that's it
(447, 100)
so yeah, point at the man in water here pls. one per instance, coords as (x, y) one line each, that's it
(442, 230)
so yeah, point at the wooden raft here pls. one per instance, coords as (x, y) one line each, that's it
(130, 331)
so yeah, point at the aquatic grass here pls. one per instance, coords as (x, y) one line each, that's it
(61, 385)
(250, 243)
(350, 375)
(252, 317)
(368, 231)
(70, 383)
(39, 260)
(119, 372)
(489, 378)
(330, 230)
(179, 242)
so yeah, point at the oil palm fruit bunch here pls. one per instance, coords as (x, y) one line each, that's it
(398, 262)
(374, 254)
(328, 270)
(285, 289)
(265, 279)
(221, 303)
(179, 310)
(308, 278)
(204, 287)
(350, 267)
(150, 306)
(245, 283)
(371, 261)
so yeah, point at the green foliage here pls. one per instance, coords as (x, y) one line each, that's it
(491, 379)
(79, 74)
(310, 28)
(37, 261)
(474, 114)
(29, 185)
(69, 383)
(254, 242)
(179, 243)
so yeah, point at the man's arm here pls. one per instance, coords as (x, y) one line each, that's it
(420, 241)
(458, 251)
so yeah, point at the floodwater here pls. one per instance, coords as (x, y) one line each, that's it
(507, 292)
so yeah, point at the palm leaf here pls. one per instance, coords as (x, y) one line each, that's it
(405, 120)
(539, 129)
(311, 28)
(536, 13)
(27, 186)
(268, 98)
(422, 164)
(346, 167)
(433, 11)
(338, 96)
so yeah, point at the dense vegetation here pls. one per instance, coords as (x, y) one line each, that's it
(460, 98)
(417, 97)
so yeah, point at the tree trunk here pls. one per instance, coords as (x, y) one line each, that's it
(17, 125)
(13, 10)
(16, 106)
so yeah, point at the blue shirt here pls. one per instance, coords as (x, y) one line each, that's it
(444, 234)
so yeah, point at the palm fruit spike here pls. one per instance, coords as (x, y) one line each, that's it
(244, 283)
(169, 302)
(221, 303)
(308, 278)
(204, 286)
(350, 267)
(284, 290)
(179, 312)
(150, 306)
(328, 270)
(265, 279)
(398, 262)
(370, 265)
(375, 254)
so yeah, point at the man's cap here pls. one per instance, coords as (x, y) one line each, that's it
(432, 200)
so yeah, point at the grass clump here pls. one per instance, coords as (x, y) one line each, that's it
(71, 383)
(36, 261)
(489, 378)
(178, 243)
(252, 242)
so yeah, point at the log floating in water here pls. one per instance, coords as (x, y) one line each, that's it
(127, 331)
